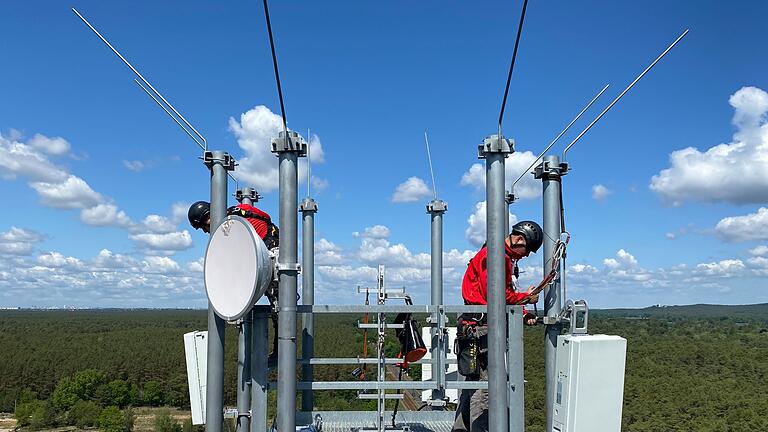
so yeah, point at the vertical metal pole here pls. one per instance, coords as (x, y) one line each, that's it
(436, 208)
(516, 368)
(308, 210)
(244, 338)
(495, 149)
(244, 354)
(288, 148)
(509, 199)
(219, 163)
(550, 171)
(259, 371)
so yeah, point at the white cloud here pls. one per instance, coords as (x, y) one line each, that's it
(196, 266)
(348, 273)
(160, 265)
(670, 236)
(379, 251)
(736, 172)
(327, 253)
(159, 224)
(73, 193)
(623, 260)
(476, 229)
(20, 235)
(254, 133)
(18, 159)
(584, 268)
(106, 259)
(374, 232)
(18, 241)
(15, 248)
(724, 268)
(135, 165)
(526, 188)
(54, 146)
(411, 190)
(104, 215)
(753, 226)
(759, 250)
(174, 241)
(600, 192)
(56, 259)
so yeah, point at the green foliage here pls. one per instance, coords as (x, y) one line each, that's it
(187, 426)
(36, 414)
(699, 368)
(118, 393)
(64, 396)
(112, 419)
(165, 423)
(153, 393)
(84, 414)
(84, 386)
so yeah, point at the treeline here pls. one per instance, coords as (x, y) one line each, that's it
(683, 372)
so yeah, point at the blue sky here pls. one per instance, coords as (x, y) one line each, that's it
(96, 178)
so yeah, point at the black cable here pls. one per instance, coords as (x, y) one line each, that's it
(512, 64)
(397, 401)
(277, 72)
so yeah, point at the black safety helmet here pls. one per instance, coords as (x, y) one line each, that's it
(532, 232)
(198, 214)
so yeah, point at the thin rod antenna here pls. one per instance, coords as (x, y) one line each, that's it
(512, 64)
(431, 172)
(169, 113)
(309, 161)
(277, 72)
(525, 171)
(140, 76)
(565, 152)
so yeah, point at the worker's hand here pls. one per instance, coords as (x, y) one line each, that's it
(529, 319)
(532, 298)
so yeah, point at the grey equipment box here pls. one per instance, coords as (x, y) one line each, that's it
(590, 383)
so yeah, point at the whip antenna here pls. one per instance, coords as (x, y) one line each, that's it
(309, 162)
(169, 113)
(205, 147)
(277, 72)
(431, 172)
(511, 64)
(525, 171)
(565, 152)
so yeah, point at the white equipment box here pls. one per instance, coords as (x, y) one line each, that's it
(452, 374)
(196, 350)
(590, 383)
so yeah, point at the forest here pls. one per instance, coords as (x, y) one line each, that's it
(700, 367)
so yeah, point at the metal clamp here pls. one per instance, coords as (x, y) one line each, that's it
(547, 170)
(437, 206)
(308, 205)
(573, 312)
(288, 267)
(293, 143)
(225, 159)
(249, 193)
(492, 144)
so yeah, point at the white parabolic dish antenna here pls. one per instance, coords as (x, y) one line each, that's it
(237, 269)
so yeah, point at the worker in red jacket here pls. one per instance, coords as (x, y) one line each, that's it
(472, 330)
(200, 218)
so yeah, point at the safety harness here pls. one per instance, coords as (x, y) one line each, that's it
(272, 238)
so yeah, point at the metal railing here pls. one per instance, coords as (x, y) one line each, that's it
(514, 358)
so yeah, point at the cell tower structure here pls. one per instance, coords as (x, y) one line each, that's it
(571, 359)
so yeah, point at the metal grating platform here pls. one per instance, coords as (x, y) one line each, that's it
(353, 421)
